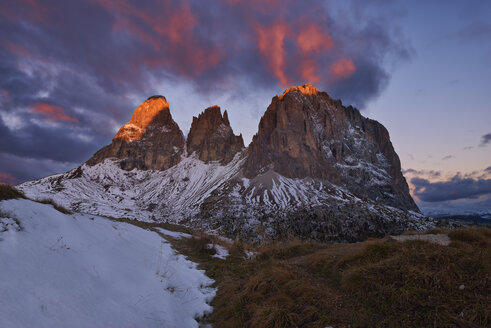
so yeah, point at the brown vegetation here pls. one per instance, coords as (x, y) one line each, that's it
(9, 192)
(377, 283)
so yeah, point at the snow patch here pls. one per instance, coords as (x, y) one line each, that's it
(84, 271)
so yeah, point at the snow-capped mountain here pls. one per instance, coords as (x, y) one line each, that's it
(315, 169)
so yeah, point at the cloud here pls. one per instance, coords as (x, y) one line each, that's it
(21, 167)
(66, 82)
(7, 178)
(485, 139)
(343, 68)
(312, 38)
(204, 43)
(52, 112)
(270, 42)
(446, 158)
(436, 192)
(429, 173)
(455, 188)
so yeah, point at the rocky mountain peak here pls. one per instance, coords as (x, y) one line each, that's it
(304, 133)
(212, 137)
(150, 140)
(306, 89)
(154, 110)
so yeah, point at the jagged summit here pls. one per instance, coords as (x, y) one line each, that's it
(156, 97)
(154, 110)
(212, 137)
(306, 89)
(150, 140)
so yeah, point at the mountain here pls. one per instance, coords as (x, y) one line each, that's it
(151, 140)
(304, 133)
(212, 138)
(315, 170)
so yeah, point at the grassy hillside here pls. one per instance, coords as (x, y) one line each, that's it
(377, 283)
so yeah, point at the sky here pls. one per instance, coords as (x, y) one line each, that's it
(72, 72)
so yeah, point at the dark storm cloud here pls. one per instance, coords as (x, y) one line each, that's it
(27, 168)
(120, 43)
(485, 139)
(57, 143)
(69, 69)
(456, 188)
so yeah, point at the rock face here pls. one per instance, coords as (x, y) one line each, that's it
(315, 170)
(151, 140)
(305, 133)
(212, 138)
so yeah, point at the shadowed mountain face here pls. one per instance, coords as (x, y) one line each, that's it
(212, 138)
(315, 170)
(305, 133)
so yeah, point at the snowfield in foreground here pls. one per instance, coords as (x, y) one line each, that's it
(78, 270)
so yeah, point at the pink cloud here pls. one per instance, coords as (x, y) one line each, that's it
(312, 38)
(172, 34)
(6, 178)
(52, 112)
(342, 68)
(270, 43)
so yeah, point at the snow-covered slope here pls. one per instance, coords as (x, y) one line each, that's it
(213, 196)
(273, 205)
(106, 189)
(78, 270)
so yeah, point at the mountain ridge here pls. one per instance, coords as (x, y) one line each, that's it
(315, 170)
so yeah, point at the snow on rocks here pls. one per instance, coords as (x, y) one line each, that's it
(173, 234)
(105, 189)
(77, 270)
(210, 195)
(221, 252)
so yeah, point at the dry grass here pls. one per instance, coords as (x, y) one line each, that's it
(377, 283)
(9, 192)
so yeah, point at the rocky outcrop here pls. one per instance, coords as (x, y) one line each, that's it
(151, 140)
(212, 138)
(305, 133)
